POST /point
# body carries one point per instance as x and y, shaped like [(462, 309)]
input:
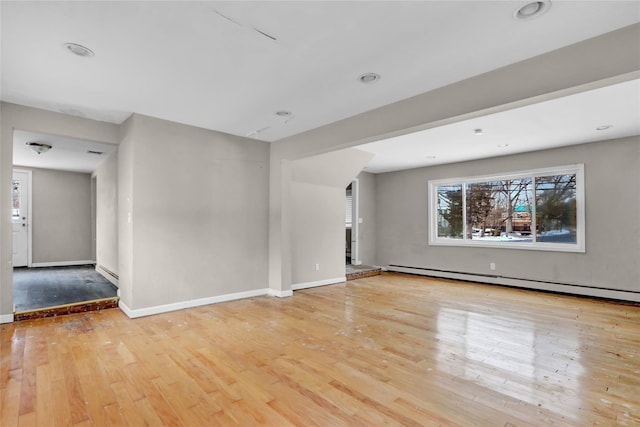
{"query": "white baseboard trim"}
[(298, 286), (158, 309), (108, 275), (523, 283), (62, 263), (571, 289), (6, 318), (279, 294)]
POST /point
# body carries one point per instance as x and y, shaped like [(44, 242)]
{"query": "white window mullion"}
[(534, 225), (464, 211)]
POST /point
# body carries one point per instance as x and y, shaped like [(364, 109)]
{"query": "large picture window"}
[(539, 209)]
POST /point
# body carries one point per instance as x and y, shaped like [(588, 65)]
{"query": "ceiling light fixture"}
[(478, 131), (78, 49), (532, 9), (367, 78), (39, 147), (604, 127)]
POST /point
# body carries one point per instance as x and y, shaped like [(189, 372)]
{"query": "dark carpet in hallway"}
[(51, 286)]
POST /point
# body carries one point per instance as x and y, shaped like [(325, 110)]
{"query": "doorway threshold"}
[(354, 272), (61, 310)]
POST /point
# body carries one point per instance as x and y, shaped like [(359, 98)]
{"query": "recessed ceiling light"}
[(478, 131), (369, 78), (78, 49), (604, 127), (502, 145), (532, 9), (284, 113)]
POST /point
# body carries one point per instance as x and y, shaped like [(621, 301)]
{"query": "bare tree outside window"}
[(480, 204), (514, 194), (538, 209)]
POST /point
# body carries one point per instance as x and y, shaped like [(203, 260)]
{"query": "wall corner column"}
[(279, 227)]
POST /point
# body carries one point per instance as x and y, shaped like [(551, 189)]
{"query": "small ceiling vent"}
[(78, 49)]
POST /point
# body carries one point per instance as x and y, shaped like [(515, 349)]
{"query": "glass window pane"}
[(556, 208), (15, 200), (500, 211), (480, 206), (450, 211)]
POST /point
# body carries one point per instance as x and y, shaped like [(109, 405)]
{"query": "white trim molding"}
[(279, 294), (355, 222), (6, 318), (158, 309), (62, 263), (523, 283), (335, 280), (109, 275)]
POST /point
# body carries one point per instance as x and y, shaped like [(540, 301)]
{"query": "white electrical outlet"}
[(317, 267), (492, 266)]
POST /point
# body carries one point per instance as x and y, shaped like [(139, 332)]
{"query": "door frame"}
[(355, 222), (29, 214)]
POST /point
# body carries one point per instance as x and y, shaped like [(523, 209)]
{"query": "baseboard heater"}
[(520, 283), (109, 272)]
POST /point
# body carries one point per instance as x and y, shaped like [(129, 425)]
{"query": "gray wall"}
[(367, 229), (318, 223), (61, 214), (612, 172), (317, 195), (125, 208), (106, 181), (193, 211)]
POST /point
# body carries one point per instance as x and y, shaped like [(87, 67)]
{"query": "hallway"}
[(44, 287)]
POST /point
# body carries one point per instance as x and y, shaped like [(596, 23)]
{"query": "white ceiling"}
[(560, 122), (66, 153), (205, 64)]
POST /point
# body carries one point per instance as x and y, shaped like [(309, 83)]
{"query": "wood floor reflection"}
[(387, 350)]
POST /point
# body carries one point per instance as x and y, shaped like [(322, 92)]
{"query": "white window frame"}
[(579, 246)]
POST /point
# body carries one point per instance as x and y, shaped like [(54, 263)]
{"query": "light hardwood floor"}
[(386, 350)]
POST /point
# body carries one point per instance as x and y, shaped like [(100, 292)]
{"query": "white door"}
[(20, 217)]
